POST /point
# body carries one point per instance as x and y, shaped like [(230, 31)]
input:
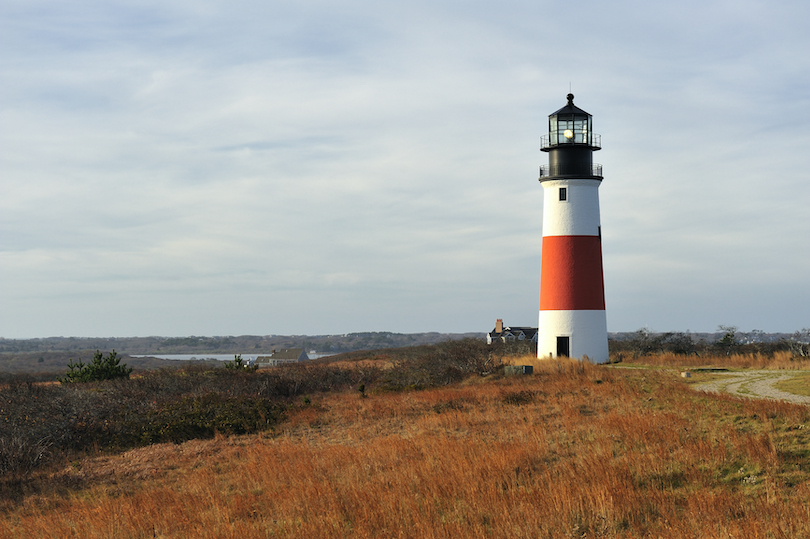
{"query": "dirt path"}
[(755, 384)]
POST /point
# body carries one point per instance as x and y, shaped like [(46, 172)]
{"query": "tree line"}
[(728, 340)]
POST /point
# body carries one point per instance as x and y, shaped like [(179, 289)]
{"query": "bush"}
[(444, 363), (239, 364), (102, 368), (202, 417), (19, 455)]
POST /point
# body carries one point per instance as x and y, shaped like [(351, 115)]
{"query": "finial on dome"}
[(570, 99)]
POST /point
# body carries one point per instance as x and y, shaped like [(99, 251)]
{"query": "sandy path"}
[(755, 384)]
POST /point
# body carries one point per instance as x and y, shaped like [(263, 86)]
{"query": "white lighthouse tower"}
[(572, 291)]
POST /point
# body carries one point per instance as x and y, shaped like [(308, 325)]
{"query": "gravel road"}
[(755, 384)]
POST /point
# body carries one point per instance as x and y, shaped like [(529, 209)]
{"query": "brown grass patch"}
[(575, 450), (780, 360)]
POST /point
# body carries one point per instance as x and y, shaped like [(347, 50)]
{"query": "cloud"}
[(323, 168)]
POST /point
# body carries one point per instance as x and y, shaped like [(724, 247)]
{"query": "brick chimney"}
[(499, 325)]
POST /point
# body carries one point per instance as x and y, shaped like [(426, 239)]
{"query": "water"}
[(216, 357), (194, 357)]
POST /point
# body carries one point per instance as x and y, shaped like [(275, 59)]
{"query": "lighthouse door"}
[(563, 346)]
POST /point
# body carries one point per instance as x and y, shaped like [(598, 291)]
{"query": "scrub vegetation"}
[(98, 405), (438, 443), (101, 368)]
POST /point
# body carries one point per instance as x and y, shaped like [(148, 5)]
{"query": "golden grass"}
[(574, 451), (798, 385), (779, 360)]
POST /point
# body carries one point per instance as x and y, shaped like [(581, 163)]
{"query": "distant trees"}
[(799, 343), (101, 368), (646, 342), (728, 340), (728, 343)]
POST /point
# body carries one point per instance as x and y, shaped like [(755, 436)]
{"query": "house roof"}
[(288, 354), (525, 330), (514, 330)]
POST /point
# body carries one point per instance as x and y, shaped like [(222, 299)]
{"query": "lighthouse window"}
[(563, 194), (580, 131), (553, 129), (565, 131)]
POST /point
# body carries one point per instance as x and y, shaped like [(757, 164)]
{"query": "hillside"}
[(574, 450)]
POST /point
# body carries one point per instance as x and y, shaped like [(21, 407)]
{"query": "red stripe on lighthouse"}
[(571, 278)]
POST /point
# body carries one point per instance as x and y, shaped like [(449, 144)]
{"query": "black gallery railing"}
[(568, 170)]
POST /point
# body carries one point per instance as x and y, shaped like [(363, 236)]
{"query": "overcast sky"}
[(181, 167)]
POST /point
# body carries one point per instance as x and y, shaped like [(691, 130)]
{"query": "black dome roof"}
[(570, 108)]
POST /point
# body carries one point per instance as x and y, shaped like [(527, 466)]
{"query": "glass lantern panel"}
[(577, 126), (552, 130), (562, 127), (586, 131), (580, 130)]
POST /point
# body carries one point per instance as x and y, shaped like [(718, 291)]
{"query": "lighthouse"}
[(572, 292)]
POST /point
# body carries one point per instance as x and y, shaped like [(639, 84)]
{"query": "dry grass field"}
[(780, 360), (574, 450)]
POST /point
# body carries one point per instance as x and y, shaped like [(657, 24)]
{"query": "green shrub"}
[(102, 368), (239, 364)]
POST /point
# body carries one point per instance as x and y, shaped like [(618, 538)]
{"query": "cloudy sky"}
[(313, 167)]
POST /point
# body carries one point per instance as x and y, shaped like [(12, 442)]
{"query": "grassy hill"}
[(442, 445)]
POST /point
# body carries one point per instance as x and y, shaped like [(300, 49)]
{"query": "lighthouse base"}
[(574, 334)]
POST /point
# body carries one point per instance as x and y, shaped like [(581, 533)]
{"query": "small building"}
[(279, 357), (507, 334)]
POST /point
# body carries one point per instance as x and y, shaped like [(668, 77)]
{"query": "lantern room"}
[(570, 143), (570, 125)]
